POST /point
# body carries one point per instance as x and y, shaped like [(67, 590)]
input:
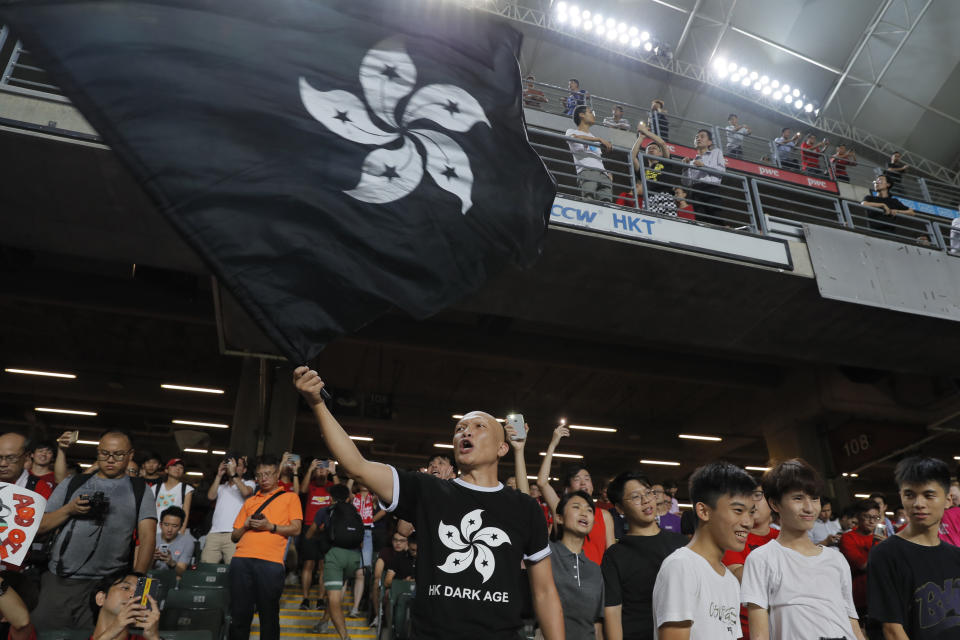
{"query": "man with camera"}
[(229, 489), (95, 517)]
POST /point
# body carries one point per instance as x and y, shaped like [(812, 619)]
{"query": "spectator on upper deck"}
[(786, 151), (595, 182), (659, 123), (895, 170), (842, 159), (658, 199), (889, 206), (735, 134), (810, 153), (617, 121), (578, 97), (706, 184), (533, 97)]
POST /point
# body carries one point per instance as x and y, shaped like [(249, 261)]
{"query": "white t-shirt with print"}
[(812, 593), (688, 588), (170, 497), (229, 502), (586, 155)]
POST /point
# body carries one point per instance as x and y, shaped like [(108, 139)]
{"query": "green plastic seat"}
[(64, 634), (204, 580), (212, 567), (177, 620), (185, 598)]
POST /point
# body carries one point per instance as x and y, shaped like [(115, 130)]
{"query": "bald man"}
[(92, 539), (473, 532), (13, 455)]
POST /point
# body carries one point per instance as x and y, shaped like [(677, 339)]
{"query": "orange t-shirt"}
[(267, 545)]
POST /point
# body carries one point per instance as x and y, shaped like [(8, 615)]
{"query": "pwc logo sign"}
[(20, 515)]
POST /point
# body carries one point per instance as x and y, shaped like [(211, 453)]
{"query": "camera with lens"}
[(99, 506)]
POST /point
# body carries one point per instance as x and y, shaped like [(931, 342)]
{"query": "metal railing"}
[(20, 75), (860, 173), (781, 202), (942, 193), (901, 227), (726, 203), (752, 148), (909, 187), (632, 113), (948, 235), (678, 130)]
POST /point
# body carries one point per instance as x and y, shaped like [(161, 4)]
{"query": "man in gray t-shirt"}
[(174, 549), (94, 539)]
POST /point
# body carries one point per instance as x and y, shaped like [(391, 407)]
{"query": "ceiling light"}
[(786, 88), (732, 67), (764, 79), (635, 43), (684, 505), (644, 35), (749, 468), (563, 455), (754, 75), (457, 416), (624, 38), (666, 463), (180, 387), (735, 78), (34, 372), (85, 465), (194, 423), (501, 420), (194, 473), (586, 427), (535, 477), (647, 46), (798, 104), (808, 108), (788, 98), (75, 412), (217, 452), (861, 495), (844, 474), (195, 451), (362, 438), (90, 442), (777, 95), (746, 81), (442, 445), (691, 436), (796, 93), (854, 475), (743, 71), (719, 63), (611, 35), (766, 90), (757, 86)]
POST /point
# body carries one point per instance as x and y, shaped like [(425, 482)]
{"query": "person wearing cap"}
[(174, 492)]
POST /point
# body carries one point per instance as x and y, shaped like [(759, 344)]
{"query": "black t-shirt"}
[(890, 201), (403, 564), (915, 586), (630, 570), (471, 542)]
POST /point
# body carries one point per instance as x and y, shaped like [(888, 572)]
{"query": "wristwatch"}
[(274, 528)]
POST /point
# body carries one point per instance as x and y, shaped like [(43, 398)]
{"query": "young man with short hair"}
[(695, 596), (616, 120), (666, 520), (315, 487), (630, 567), (229, 489), (174, 549), (855, 546), (913, 575), (41, 469), (735, 133), (786, 149), (881, 501), (341, 562), (474, 531), (594, 181), (441, 466), (576, 98), (887, 204), (826, 531), (792, 584), (150, 470)]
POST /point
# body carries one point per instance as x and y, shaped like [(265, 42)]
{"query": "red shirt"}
[(45, 483), (686, 212), (810, 159), (317, 499), (855, 547), (286, 486), (740, 557), (596, 542), (364, 506)]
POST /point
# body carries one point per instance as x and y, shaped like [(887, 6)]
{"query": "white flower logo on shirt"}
[(471, 544), (388, 75)]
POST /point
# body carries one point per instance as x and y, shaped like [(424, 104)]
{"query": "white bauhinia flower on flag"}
[(470, 544), (388, 75)]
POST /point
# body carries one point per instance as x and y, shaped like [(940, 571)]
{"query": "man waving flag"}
[(329, 160)]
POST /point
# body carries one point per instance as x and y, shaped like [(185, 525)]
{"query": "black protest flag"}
[(328, 160)]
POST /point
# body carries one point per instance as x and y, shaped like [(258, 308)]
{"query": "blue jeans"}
[(255, 583)]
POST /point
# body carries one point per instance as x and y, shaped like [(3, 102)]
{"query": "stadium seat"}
[(208, 620), (203, 580), (185, 598), (65, 634), (401, 600), (187, 634), (167, 579), (212, 567)]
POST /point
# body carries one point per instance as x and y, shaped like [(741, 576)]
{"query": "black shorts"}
[(313, 548)]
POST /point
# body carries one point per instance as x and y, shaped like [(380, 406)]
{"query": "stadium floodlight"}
[(743, 71), (621, 27), (798, 104), (764, 80), (600, 30), (561, 7), (633, 32), (722, 73), (766, 90), (575, 21), (624, 38), (796, 93), (808, 108), (786, 88), (611, 34), (647, 46), (732, 67), (635, 43), (754, 75), (645, 36), (787, 98), (598, 18), (587, 26), (757, 86), (735, 78), (746, 81), (585, 15), (775, 84), (777, 95), (719, 63), (611, 23), (561, 17)]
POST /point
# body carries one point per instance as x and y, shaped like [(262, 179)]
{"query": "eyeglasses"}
[(658, 492), (265, 474), (640, 496), (871, 518), (10, 459), (112, 455)]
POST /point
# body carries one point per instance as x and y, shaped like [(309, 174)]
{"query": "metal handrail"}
[(902, 227), (804, 206)]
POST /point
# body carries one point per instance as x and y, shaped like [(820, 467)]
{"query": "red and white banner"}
[(20, 514), (761, 170)]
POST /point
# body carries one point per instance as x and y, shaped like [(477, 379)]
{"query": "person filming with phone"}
[(229, 489), (174, 549), (95, 517), (260, 531)]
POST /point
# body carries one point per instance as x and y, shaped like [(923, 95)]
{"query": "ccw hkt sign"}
[(20, 514)]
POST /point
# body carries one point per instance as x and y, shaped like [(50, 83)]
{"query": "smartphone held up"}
[(516, 421)]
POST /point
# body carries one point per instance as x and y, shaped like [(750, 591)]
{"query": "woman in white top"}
[(173, 492)]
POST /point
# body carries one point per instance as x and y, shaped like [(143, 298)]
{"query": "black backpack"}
[(345, 527)]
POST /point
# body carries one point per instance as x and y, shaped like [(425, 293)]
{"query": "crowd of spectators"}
[(753, 558)]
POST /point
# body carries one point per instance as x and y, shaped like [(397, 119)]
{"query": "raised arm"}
[(60, 464), (642, 129), (378, 477), (523, 484), (212, 491), (543, 476), (308, 476)]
